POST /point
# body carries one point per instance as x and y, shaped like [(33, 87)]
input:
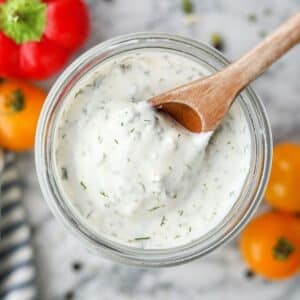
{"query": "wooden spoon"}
[(202, 104)]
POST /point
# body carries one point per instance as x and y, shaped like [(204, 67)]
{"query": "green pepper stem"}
[(23, 20)]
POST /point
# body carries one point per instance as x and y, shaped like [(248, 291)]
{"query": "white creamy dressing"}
[(134, 175)]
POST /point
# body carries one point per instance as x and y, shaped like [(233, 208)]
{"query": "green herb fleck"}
[(125, 67), (83, 185), (283, 249), (180, 212), (252, 17), (78, 93), (64, 173), (116, 141), (187, 6), (104, 194), (154, 208), (163, 221), (89, 214), (190, 229), (142, 238), (188, 166), (143, 186), (177, 236), (132, 130)]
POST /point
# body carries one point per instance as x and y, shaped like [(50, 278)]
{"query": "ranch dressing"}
[(134, 175)]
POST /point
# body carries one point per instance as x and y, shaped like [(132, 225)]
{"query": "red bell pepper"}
[(37, 37)]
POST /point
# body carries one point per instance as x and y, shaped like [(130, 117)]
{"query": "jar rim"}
[(261, 163)]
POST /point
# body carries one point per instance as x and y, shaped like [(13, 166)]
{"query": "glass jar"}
[(245, 205)]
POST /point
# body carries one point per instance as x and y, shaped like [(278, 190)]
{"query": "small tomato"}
[(270, 244), (283, 188), (20, 106)]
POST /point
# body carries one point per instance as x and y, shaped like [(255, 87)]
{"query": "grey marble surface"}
[(220, 275)]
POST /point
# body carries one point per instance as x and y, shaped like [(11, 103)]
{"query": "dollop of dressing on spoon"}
[(136, 176)]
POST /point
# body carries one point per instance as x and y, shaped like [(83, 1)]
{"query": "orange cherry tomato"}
[(283, 188), (270, 245), (20, 106)]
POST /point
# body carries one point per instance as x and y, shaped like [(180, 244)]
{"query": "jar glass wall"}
[(243, 208)]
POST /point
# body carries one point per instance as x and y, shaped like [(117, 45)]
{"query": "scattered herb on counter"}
[(83, 185), (177, 236), (187, 6), (262, 33), (64, 173), (252, 17), (267, 11), (180, 212), (217, 41), (249, 274), (190, 229), (69, 295), (116, 141), (132, 130), (77, 266)]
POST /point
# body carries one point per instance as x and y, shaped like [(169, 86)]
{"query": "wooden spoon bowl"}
[(201, 105)]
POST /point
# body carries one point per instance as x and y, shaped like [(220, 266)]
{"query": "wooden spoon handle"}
[(256, 61)]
